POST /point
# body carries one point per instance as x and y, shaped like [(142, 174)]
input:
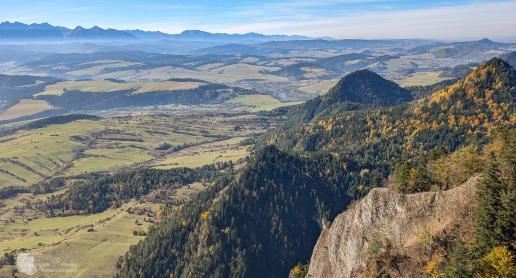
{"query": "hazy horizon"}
[(340, 19)]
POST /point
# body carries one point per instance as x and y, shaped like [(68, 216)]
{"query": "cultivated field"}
[(99, 66), (25, 107), (318, 87), (421, 79), (78, 246), (30, 156), (226, 74), (260, 102), (106, 86), (197, 156)]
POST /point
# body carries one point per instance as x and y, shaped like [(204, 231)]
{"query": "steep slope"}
[(257, 224), (387, 218)]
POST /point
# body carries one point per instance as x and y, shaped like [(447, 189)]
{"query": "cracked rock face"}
[(387, 218)]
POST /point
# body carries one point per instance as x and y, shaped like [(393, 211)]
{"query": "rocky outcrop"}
[(389, 222)]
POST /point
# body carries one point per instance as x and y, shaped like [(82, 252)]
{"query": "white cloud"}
[(447, 22)]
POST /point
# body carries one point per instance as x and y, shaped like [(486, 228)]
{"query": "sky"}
[(432, 19)]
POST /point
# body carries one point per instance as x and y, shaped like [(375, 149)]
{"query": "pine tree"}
[(458, 263), (496, 212), (488, 196)]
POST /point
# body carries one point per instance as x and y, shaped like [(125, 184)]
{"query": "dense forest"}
[(264, 219), (96, 193)]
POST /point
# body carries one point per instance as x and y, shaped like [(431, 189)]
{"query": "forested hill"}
[(367, 87), (266, 218), (464, 111), (354, 91)]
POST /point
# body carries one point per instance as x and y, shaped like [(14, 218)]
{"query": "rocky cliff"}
[(394, 234)]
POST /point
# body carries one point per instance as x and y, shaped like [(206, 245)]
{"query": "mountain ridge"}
[(45, 31)]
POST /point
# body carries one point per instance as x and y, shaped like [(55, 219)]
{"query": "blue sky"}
[(461, 19)]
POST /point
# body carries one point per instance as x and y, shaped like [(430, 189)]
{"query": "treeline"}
[(39, 188), (96, 193), (11, 191)]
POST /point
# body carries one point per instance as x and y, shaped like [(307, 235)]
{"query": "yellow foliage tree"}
[(205, 215), (498, 263)]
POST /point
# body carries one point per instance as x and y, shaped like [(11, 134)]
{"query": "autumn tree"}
[(498, 263)]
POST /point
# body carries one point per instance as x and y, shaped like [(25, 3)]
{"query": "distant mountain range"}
[(17, 31)]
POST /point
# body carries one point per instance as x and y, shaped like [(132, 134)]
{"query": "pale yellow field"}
[(233, 73), (102, 65), (222, 74), (250, 60), (25, 107), (283, 61), (201, 159), (145, 87), (111, 144), (313, 72), (25, 70), (260, 102), (108, 159), (30, 155), (98, 86), (84, 86), (421, 79), (197, 156), (319, 87), (210, 66)]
